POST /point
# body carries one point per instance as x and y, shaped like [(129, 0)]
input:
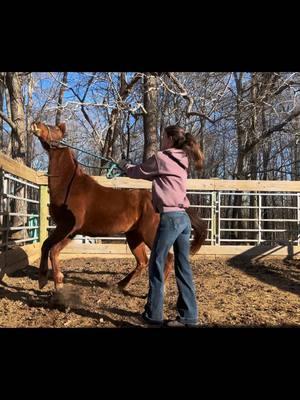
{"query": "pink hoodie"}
[(169, 179)]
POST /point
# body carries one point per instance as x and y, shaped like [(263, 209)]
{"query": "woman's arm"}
[(148, 170)]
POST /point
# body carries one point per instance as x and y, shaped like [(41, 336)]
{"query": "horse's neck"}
[(61, 169)]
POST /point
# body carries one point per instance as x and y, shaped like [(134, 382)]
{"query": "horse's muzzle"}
[(34, 129)]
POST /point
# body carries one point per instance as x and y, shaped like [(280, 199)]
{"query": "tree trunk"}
[(18, 146), (253, 212), (240, 171), (8, 111), (161, 110), (240, 130), (296, 160), (17, 116), (28, 122), (60, 98), (108, 144), (114, 130), (150, 118)]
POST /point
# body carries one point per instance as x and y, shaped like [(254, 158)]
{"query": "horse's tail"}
[(200, 230)]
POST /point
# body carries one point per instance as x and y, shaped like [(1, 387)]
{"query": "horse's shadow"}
[(43, 300), (89, 272), (32, 273), (112, 286), (74, 280), (37, 298)]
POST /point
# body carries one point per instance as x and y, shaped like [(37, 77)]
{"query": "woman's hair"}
[(186, 141)]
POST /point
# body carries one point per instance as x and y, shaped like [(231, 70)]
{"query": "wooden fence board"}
[(18, 169)]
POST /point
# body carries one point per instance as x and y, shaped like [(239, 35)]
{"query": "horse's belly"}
[(107, 226)]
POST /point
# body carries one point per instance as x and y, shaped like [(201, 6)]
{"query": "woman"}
[(168, 169)]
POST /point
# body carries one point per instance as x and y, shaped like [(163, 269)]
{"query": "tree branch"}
[(8, 120), (275, 128), (189, 98)]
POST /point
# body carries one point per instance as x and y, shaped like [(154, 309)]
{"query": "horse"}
[(81, 206)]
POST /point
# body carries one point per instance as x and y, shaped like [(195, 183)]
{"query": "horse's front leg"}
[(59, 234), (54, 253)]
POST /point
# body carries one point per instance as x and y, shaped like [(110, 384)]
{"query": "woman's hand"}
[(122, 163)]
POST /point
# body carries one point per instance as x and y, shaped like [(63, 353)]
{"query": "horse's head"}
[(48, 133)]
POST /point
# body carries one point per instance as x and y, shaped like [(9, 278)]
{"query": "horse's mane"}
[(73, 157)]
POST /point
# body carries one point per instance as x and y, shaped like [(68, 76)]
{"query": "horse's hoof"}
[(43, 280), (59, 286)]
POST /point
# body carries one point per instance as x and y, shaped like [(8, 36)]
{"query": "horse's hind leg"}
[(54, 253), (137, 247), (168, 266)]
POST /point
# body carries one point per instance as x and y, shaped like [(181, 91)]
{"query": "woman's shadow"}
[(286, 279)]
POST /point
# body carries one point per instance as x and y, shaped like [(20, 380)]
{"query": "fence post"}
[(259, 219), (44, 198), (298, 218), (214, 234)]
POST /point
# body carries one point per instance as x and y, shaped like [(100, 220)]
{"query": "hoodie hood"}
[(179, 154)]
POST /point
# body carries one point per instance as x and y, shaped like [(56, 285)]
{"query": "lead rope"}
[(71, 181)]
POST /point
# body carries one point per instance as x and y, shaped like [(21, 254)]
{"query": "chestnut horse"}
[(79, 205)]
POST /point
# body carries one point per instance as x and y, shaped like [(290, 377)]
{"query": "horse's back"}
[(109, 210)]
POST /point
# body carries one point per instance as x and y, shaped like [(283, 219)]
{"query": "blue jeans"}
[(174, 229)]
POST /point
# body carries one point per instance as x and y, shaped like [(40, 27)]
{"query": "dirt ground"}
[(231, 294)]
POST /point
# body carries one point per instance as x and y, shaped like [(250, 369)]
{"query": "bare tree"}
[(29, 119), (150, 115), (113, 131), (2, 99), (18, 125), (223, 110), (62, 89)]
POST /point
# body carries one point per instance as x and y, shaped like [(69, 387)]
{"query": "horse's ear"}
[(62, 127)]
